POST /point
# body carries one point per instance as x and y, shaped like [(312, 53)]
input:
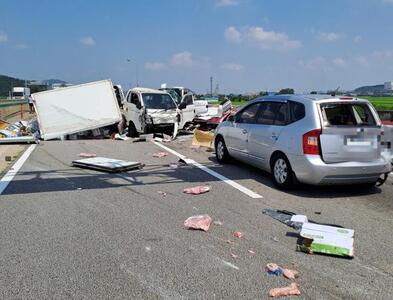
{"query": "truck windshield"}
[(158, 101), (347, 114), (174, 93), (18, 94)]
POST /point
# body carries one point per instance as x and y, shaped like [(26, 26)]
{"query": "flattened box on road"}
[(107, 164), (76, 108)]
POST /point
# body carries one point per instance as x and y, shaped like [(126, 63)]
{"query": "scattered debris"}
[(276, 270), (19, 132), (317, 212), (291, 290), (201, 222), (217, 223), (8, 158), (229, 242), (196, 190), (139, 139), (161, 193), (121, 137), (251, 251), (238, 234), (182, 161), (160, 154), (275, 239), (107, 164), (326, 239), (283, 216), (87, 155), (202, 138), (233, 255)]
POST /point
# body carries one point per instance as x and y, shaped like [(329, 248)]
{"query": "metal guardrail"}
[(12, 103)]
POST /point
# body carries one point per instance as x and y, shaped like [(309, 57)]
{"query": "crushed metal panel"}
[(76, 108), (107, 164)]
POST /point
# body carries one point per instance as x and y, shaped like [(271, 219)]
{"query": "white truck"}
[(184, 96), (155, 111), (20, 93)]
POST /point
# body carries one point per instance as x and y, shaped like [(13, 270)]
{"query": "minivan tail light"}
[(311, 142)]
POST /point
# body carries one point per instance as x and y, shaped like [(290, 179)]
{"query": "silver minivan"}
[(313, 139)]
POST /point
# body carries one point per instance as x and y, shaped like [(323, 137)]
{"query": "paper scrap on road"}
[(201, 222), (196, 190), (291, 290), (160, 154)]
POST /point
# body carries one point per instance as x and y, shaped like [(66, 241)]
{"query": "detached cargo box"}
[(76, 108)]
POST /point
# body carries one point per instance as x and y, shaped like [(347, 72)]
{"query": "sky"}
[(246, 45)]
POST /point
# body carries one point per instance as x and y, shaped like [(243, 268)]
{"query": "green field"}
[(380, 103)]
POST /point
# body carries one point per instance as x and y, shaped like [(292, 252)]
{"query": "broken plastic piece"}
[(251, 251), (161, 193), (273, 269), (238, 234), (196, 190), (217, 223), (87, 155), (201, 222), (233, 255), (160, 154), (292, 289), (276, 270)]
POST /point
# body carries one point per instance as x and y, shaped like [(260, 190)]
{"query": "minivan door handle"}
[(244, 131)]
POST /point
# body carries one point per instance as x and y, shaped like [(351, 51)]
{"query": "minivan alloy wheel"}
[(280, 170), (220, 149)]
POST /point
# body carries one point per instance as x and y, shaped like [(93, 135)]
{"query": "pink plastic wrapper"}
[(196, 190), (201, 222), (291, 290), (87, 155), (160, 154)]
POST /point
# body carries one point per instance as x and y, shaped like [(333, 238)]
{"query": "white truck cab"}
[(20, 93), (154, 111), (186, 98)]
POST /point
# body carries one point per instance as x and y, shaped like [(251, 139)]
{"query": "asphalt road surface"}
[(76, 233)]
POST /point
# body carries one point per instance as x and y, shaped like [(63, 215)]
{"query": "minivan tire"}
[(132, 132), (222, 154), (281, 172)]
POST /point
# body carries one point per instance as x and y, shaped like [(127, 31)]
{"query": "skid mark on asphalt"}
[(228, 181)]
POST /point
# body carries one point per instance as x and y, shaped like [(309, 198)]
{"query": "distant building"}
[(388, 86)]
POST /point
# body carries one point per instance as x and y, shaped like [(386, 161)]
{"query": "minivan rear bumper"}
[(312, 169)]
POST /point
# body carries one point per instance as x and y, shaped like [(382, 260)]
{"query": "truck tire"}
[(132, 132)]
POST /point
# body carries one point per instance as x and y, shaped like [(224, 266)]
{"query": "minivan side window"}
[(296, 111), (273, 113), (248, 115)]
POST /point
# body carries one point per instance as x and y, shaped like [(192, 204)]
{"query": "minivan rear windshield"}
[(347, 114)]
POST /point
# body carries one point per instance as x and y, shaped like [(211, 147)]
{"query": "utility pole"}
[(211, 85)]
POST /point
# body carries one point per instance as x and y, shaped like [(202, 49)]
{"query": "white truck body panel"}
[(76, 108), (20, 92)]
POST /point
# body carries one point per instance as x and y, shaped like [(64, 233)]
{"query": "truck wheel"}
[(281, 171), (132, 132), (222, 154)]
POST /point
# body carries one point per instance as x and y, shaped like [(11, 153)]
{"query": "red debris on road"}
[(238, 234), (291, 290), (201, 222), (196, 190)]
